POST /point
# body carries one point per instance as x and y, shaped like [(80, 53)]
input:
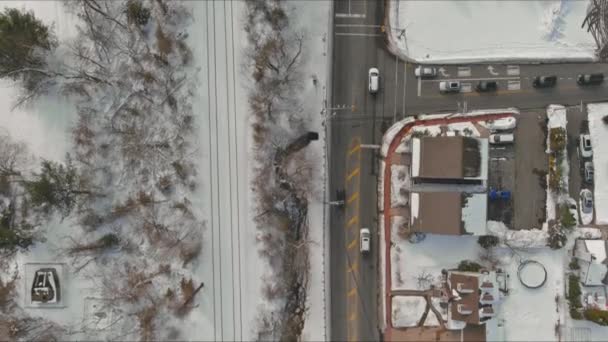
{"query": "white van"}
[(501, 139), (364, 240), (374, 80)]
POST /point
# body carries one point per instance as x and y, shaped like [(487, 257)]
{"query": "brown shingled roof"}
[(439, 213), (449, 157), (470, 300)]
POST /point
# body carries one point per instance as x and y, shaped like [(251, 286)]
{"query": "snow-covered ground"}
[(230, 263), (462, 31), (599, 136)]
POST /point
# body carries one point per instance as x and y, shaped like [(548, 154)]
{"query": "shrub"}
[(597, 316), (575, 314), (557, 139), (573, 265), (487, 241), (574, 292), (555, 173), (566, 218), (469, 266)]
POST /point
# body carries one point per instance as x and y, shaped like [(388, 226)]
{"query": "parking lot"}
[(521, 169)]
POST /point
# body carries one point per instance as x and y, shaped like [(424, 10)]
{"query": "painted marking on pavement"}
[(352, 174), (464, 71), (350, 15), (419, 87), (352, 244), (358, 34), (352, 221), (513, 85), (353, 197), (354, 267), (513, 70), (476, 79), (354, 149), (352, 317), (352, 292), (466, 87), (357, 25)]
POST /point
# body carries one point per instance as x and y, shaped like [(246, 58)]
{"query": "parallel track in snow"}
[(223, 181)]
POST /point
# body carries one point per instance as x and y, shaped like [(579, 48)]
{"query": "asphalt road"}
[(359, 44)]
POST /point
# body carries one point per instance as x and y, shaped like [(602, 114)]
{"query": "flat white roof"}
[(474, 214)]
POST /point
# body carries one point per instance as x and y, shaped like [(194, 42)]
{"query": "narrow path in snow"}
[(223, 186)]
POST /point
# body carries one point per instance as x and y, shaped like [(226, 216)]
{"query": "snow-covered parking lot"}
[(460, 31), (599, 135)]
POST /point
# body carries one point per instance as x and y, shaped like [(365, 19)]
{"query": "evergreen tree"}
[(24, 41)]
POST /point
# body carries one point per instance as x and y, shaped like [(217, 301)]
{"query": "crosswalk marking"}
[(466, 87)]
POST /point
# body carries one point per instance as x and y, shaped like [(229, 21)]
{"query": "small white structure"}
[(591, 255)]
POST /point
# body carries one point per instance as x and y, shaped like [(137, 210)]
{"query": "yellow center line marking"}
[(352, 317), (352, 292), (352, 174), (352, 244), (352, 221), (352, 198), (354, 149), (354, 267)]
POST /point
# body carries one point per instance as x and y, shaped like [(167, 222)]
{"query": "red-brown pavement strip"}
[(387, 197)]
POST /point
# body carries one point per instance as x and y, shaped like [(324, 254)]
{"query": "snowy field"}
[(461, 31), (599, 136)]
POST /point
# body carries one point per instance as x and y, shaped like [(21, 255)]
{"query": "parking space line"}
[(419, 87), (354, 173), (358, 25)]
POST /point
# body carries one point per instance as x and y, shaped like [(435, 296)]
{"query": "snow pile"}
[(599, 139), (407, 311), (534, 238), (390, 134), (496, 30), (400, 185), (553, 20)]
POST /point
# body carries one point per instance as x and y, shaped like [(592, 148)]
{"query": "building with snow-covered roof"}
[(591, 256), (448, 213), (472, 298), (450, 159)]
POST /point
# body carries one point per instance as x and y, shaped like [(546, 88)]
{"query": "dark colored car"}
[(486, 86), (45, 287), (590, 79), (544, 81)]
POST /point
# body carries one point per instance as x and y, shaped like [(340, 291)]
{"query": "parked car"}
[(373, 80), (586, 201), (486, 86), (501, 139), (502, 124), (572, 208), (589, 172), (584, 147), (590, 79), (364, 240), (449, 86), (544, 81), (45, 287), (425, 72)]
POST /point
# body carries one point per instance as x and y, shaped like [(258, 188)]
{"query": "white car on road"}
[(425, 72), (585, 146), (449, 86), (373, 80), (364, 240)]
